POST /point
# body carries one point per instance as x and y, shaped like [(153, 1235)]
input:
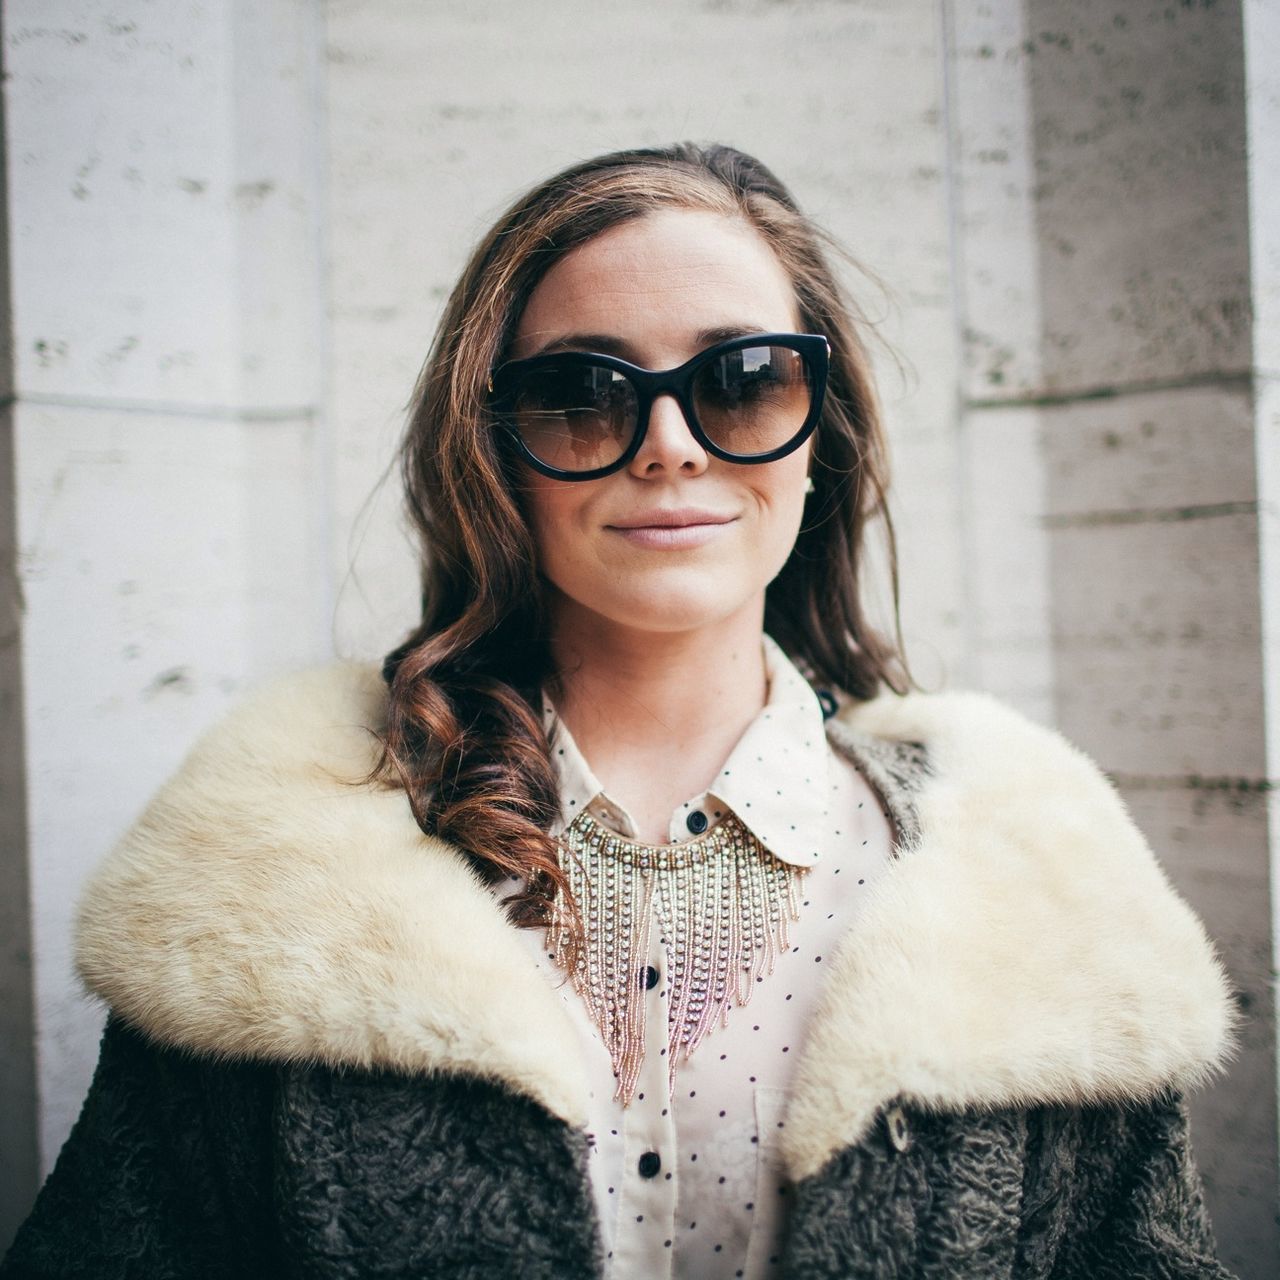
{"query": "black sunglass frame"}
[(649, 384)]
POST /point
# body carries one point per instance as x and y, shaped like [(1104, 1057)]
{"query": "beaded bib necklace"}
[(722, 903)]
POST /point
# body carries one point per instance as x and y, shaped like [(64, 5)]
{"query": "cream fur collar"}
[(1027, 950)]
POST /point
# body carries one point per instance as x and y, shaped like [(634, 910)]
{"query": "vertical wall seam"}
[(953, 195), (323, 436), (19, 1079), (1258, 34)]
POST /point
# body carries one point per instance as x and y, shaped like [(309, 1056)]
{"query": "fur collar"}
[(1027, 949)]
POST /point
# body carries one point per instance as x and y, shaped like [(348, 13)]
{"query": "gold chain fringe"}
[(722, 904)]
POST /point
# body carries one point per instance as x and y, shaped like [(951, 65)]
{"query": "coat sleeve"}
[(160, 1178), (1138, 1211)]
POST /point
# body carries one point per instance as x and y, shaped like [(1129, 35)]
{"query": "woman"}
[(633, 923)]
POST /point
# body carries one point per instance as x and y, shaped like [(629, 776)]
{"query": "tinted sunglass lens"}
[(753, 400), (574, 417)]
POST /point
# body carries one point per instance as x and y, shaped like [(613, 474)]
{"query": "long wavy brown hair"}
[(464, 734)]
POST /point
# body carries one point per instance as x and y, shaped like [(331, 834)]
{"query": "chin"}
[(675, 609), (663, 598)]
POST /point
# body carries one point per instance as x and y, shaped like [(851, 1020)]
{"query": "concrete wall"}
[(1262, 61), (232, 230), (19, 1146), (162, 165), (1110, 411)]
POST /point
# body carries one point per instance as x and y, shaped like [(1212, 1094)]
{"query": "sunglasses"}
[(579, 416)]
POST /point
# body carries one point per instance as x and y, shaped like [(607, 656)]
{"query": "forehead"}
[(656, 281)]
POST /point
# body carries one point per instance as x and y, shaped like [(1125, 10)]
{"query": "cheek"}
[(551, 508), (783, 502), (542, 512), (783, 535)]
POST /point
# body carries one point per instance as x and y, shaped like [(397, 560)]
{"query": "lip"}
[(672, 529), (668, 518)]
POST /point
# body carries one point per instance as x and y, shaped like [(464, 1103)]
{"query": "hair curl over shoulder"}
[(464, 735)]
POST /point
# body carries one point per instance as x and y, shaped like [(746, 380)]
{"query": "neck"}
[(656, 714)]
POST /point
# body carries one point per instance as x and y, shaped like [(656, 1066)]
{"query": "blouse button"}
[(649, 1164), (896, 1121), (650, 977), (696, 822)]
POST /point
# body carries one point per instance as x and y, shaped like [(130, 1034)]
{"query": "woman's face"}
[(656, 291)]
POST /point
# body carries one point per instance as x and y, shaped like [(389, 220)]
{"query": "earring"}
[(808, 484)]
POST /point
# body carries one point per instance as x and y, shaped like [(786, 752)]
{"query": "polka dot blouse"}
[(691, 1185)]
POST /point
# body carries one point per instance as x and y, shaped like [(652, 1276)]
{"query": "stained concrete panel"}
[(276, 149), (925, 511), (19, 1147), (151, 260), (1212, 841), (147, 177), (1141, 191), (1262, 88), (1155, 455), (19, 1154), (1157, 645), (916, 382), (993, 198), (1262, 60), (1267, 422), (1137, 194), (283, 549), (149, 556), (1267, 454), (1007, 605)]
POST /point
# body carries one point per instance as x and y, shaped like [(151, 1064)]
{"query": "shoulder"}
[(968, 736), (324, 717), (272, 903), (1025, 946), (986, 769)]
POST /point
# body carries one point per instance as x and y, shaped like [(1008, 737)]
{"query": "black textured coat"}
[(251, 1135), (183, 1168)]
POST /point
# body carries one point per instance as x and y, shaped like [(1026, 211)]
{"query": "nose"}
[(668, 445)]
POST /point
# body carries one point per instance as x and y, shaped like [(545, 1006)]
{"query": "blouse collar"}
[(775, 781)]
